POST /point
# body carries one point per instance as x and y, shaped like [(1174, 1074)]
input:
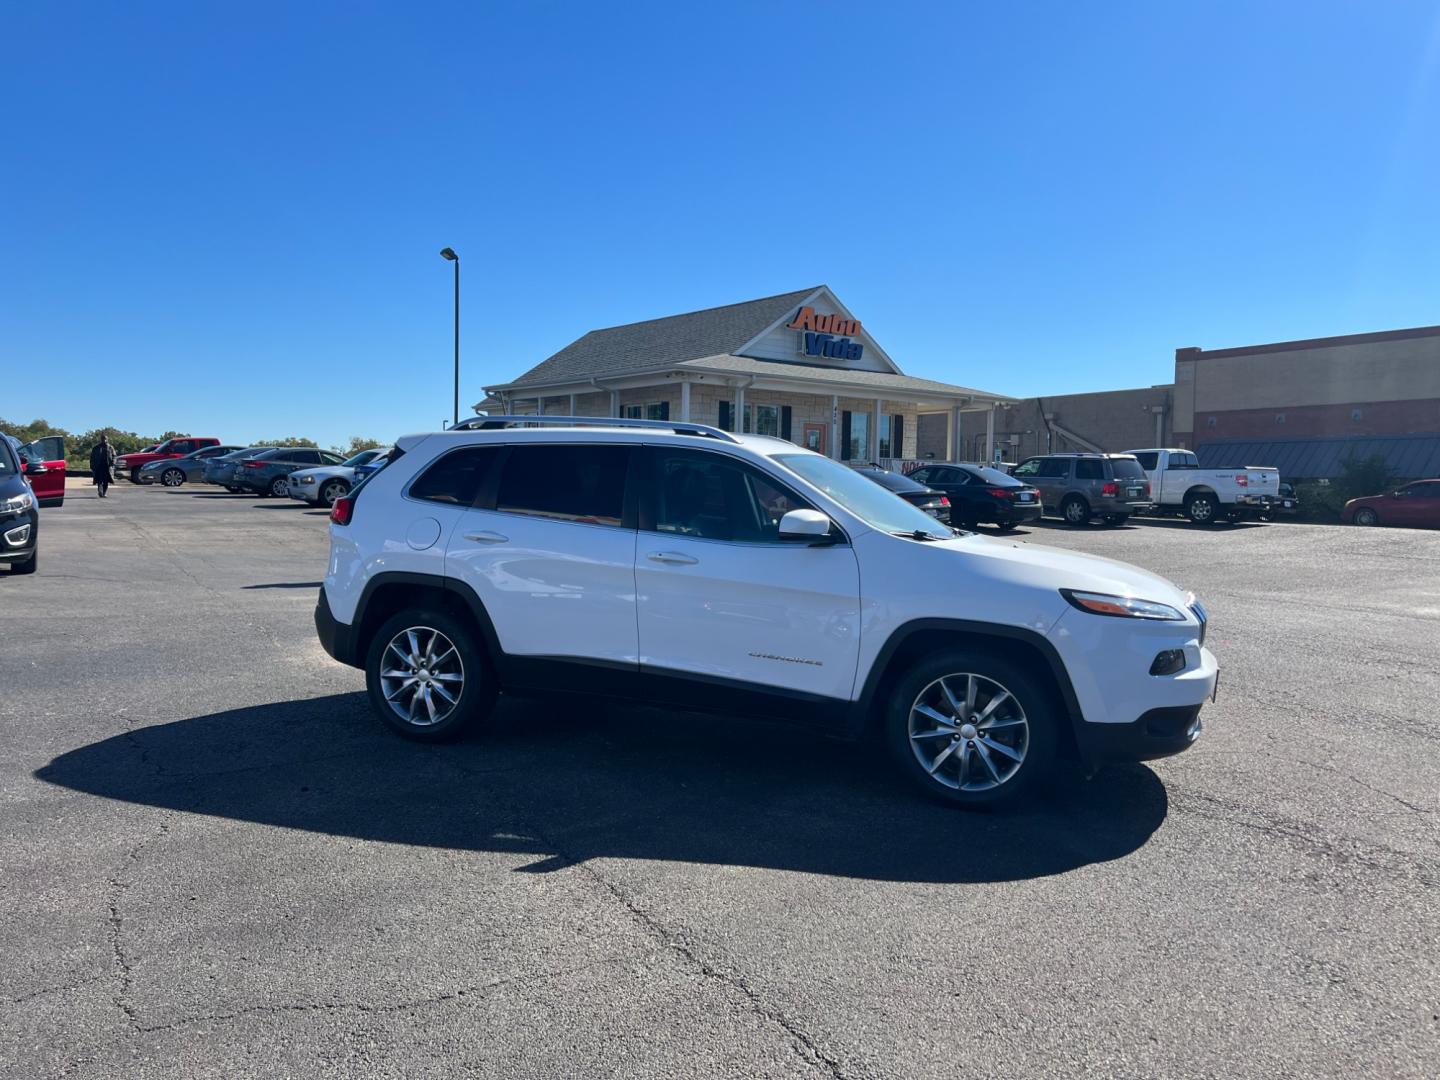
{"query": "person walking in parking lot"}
[(102, 457)]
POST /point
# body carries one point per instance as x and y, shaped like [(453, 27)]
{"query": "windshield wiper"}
[(917, 534)]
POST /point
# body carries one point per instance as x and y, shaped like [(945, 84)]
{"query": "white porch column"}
[(990, 434), (834, 440), (874, 446), (956, 444), (614, 404), (685, 401), (739, 417)]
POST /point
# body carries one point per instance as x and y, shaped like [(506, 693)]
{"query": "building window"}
[(767, 420), (1210, 422), (858, 447), (654, 410), (1356, 414), (884, 439), (1279, 418)]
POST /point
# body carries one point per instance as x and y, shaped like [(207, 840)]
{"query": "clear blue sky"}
[(225, 217)]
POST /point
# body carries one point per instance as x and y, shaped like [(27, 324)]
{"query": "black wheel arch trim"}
[(865, 705)]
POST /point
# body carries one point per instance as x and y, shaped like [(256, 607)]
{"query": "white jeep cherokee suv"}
[(681, 565)]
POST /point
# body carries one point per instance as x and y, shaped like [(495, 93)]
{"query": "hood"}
[(1039, 565)]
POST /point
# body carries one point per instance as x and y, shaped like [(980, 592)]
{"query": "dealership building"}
[(799, 366)]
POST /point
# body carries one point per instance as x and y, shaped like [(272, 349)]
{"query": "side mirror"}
[(34, 468), (805, 525)]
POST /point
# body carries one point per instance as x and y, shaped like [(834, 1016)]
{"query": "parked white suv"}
[(682, 565)]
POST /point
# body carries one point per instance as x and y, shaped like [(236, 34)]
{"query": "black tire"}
[(1366, 516), (1006, 526), (1116, 520), (135, 476), (1202, 509), (172, 478), (233, 489), (1075, 510), (29, 566), (476, 698), (1030, 697), (332, 490)]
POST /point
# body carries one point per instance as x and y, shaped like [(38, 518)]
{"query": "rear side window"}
[(580, 483), (1056, 468), (455, 478), (1127, 468), (1088, 469)]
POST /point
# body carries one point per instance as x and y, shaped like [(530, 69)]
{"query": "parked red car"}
[(1416, 505), (44, 464), (130, 464)]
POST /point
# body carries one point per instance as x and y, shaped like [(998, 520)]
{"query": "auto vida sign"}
[(827, 335)]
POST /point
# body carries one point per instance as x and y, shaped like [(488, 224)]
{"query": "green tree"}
[(78, 447), (1360, 477), (291, 440), (357, 444), (35, 429)]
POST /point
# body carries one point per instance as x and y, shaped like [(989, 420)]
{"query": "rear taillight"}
[(944, 500), (1241, 480), (254, 464), (1000, 493), (1110, 489), (342, 511)]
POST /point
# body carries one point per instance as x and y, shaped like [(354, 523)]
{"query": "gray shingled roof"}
[(1410, 457), (841, 378), (658, 342)]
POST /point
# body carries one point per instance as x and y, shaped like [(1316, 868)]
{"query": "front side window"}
[(455, 478), (1183, 461), (1028, 468), (717, 498), (578, 482)]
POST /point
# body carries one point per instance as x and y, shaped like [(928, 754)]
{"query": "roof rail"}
[(679, 427)]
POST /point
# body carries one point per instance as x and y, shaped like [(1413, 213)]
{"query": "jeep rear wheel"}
[(971, 728), (428, 676)]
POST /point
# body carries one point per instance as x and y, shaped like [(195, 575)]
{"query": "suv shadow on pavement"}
[(571, 781)]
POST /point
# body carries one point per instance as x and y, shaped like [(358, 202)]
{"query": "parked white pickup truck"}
[(1177, 483)]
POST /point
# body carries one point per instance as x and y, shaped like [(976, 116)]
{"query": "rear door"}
[(550, 551), (724, 603)]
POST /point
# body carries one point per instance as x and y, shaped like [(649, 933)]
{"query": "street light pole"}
[(449, 253)]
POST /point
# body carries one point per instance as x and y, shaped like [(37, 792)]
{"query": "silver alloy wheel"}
[(1075, 512), (1202, 509), (173, 478), (1365, 516), (421, 676), (968, 732), (332, 491), (280, 487)]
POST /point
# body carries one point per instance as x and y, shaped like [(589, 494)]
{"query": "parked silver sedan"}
[(172, 472), (322, 485)]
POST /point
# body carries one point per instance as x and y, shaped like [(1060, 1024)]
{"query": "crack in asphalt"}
[(476, 990), (48, 990), (121, 966)]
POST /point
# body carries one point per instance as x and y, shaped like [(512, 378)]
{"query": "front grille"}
[(1199, 611)]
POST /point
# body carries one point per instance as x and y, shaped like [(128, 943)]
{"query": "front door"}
[(44, 461), (723, 601), (814, 437)]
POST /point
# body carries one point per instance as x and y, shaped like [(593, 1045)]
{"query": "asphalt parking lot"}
[(214, 862)]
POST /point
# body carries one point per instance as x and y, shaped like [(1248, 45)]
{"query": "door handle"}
[(670, 558), (487, 538)]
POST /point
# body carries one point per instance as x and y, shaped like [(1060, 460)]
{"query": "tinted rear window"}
[(893, 481), (1127, 468), (995, 478), (580, 483), (456, 477), (1088, 469)]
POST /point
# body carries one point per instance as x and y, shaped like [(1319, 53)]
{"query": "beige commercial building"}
[(799, 366)]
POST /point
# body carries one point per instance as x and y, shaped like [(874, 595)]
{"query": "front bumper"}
[(1156, 734), (336, 638), (306, 493), (19, 536)]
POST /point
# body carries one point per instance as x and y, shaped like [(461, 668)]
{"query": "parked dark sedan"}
[(268, 473), (980, 495), (932, 502)]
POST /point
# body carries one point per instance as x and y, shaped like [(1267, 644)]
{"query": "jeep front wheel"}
[(428, 676), (971, 728)]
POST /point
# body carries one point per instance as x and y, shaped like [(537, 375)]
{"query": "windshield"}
[(361, 458), (867, 500), (9, 447), (1126, 468)]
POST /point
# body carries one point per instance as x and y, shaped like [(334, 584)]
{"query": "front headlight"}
[(1123, 607), (17, 503)]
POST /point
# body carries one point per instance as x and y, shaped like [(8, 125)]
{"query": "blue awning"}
[(1409, 457)]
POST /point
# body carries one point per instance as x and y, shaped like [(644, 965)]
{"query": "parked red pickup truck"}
[(130, 464)]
